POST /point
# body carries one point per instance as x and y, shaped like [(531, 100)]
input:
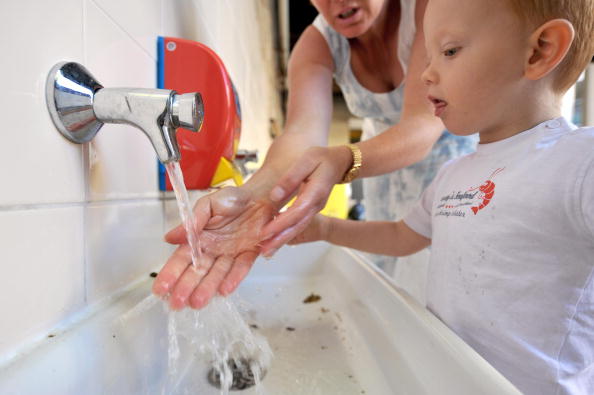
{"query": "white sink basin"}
[(362, 337)]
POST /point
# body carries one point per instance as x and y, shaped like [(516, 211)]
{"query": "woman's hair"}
[(580, 13)]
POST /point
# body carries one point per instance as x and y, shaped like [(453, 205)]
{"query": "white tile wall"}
[(38, 164), (117, 60), (179, 19), (124, 242), (79, 222), (42, 268), (139, 19)]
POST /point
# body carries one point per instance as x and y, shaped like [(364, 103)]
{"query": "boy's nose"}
[(428, 76)]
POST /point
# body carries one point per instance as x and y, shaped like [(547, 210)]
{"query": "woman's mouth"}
[(346, 14), (438, 104)]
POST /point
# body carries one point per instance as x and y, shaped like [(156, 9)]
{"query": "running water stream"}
[(217, 333), (185, 210)]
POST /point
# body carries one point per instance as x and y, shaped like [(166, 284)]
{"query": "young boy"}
[(512, 225)]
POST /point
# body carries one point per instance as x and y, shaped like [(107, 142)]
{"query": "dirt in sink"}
[(312, 298)]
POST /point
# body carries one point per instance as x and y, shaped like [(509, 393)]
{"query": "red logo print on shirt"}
[(486, 192)]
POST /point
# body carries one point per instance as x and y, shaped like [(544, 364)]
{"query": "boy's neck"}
[(525, 115)]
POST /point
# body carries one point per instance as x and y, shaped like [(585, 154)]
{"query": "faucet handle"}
[(187, 111)]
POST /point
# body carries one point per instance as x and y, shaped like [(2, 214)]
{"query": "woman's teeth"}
[(348, 13)]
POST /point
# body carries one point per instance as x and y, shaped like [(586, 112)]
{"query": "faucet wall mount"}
[(79, 106)]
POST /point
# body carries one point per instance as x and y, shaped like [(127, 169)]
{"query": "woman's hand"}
[(313, 176), (228, 224)]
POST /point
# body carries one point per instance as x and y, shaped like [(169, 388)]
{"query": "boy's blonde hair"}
[(580, 13)]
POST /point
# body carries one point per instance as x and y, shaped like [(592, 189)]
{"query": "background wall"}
[(80, 222)]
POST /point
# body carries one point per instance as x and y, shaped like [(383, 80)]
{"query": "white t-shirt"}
[(512, 256)]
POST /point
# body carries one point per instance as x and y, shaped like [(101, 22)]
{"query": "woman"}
[(374, 49)]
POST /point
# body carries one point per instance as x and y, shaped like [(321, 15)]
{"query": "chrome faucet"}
[(79, 106)]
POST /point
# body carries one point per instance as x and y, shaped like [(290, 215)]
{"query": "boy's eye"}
[(451, 51)]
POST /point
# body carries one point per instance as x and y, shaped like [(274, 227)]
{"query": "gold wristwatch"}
[(353, 172)]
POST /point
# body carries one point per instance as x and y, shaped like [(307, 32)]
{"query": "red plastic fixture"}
[(189, 66)]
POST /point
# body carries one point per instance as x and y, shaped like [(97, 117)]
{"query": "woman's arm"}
[(309, 110), (319, 169)]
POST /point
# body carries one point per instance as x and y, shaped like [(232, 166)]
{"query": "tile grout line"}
[(85, 203), (123, 30), (85, 162)]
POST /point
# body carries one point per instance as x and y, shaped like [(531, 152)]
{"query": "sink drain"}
[(243, 376)]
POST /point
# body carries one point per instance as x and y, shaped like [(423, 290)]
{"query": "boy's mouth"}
[(438, 104)]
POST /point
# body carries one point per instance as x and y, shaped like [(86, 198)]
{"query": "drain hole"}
[(243, 376)]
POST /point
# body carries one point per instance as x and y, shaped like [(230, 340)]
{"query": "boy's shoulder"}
[(580, 140), (584, 131), (562, 138), (568, 149)]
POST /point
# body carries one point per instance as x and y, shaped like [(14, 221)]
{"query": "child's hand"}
[(316, 230)]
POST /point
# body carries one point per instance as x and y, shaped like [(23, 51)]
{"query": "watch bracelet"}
[(353, 171)]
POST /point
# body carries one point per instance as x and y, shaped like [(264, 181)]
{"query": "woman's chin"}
[(352, 32)]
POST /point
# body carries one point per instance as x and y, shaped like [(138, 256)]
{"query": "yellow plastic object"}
[(225, 171), (337, 205)]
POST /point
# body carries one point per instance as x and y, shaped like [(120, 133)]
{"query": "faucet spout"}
[(152, 111), (79, 106)]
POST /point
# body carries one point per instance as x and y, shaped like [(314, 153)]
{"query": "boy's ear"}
[(548, 46)]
